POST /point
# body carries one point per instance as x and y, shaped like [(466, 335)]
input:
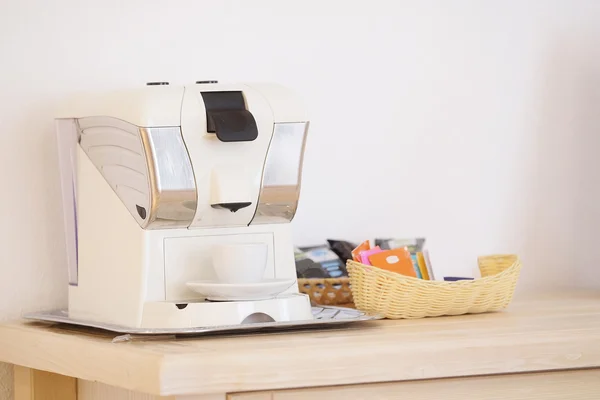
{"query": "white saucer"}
[(217, 291)]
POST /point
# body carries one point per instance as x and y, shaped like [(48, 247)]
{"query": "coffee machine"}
[(155, 178)]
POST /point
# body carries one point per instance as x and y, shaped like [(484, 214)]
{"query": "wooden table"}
[(542, 348)]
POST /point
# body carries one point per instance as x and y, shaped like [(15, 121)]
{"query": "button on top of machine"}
[(201, 82), (157, 83)]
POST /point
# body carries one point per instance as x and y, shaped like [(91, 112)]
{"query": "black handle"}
[(228, 118)]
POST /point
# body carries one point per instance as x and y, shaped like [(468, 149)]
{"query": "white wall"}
[(473, 123)]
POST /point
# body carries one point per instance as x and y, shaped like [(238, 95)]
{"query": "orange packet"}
[(395, 260), (361, 247)]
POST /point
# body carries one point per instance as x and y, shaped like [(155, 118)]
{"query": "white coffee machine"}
[(155, 178)]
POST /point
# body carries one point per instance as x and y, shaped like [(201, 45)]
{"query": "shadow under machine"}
[(153, 178)]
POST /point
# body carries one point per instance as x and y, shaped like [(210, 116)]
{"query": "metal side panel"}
[(148, 168), (171, 177), (67, 137), (282, 174)]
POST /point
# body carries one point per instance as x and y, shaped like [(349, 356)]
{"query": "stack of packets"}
[(403, 256), (318, 262)]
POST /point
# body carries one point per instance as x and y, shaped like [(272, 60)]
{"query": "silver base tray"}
[(324, 316)]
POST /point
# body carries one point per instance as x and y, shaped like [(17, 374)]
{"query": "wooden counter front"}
[(547, 335)]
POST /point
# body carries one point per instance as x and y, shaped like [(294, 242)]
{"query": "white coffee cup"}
[(240, 262)]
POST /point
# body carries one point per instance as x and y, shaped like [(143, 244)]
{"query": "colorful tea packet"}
[(365, 254), (395, 260), (361, 247)]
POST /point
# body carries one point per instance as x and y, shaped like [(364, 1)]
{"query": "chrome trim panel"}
[(282, 174), (148, 168), (171, 176), (67, 138)]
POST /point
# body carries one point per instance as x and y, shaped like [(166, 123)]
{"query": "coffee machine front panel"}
[(227, 130)]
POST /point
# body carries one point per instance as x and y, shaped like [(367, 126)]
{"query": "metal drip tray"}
[(323, 316)]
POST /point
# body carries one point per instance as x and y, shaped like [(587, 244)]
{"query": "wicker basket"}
[(327, 291), (397, 296)]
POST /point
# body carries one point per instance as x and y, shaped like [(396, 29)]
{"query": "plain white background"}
[(473, 123)]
